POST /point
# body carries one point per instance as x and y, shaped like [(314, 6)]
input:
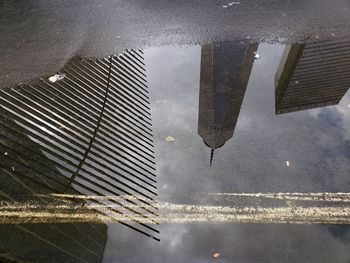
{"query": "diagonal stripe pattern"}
[(94, 127)]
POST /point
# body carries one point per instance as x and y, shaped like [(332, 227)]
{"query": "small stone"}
[(5, 153), (216, 255)]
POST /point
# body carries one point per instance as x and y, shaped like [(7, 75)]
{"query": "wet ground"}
[(234, 150), (39, 37)]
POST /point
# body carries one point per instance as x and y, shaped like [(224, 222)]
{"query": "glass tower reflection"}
[(224, 75), (312, 75)]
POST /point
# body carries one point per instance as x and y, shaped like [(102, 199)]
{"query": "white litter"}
[(5, 153), (56, 77), (256, 56), (233, 3), (169, 139), (287, 163)]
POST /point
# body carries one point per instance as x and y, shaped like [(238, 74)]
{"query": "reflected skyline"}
[(156, 131), (308, 76), (254, 162)]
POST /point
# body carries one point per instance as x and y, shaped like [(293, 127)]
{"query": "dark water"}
[(177, 128)]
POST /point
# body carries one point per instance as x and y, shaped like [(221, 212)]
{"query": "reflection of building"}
[(225, 71), (312, 75), (87, 134), (28, 176)]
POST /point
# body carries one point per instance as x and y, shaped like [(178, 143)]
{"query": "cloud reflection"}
[(252, 161)]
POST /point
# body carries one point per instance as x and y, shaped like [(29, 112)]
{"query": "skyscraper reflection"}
[(87, 132), (312, 75), (224, 75), (28, 177)]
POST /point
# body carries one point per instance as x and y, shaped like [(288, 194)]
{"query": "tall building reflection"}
[(27, 176), (88, 133), (224, 75), (312, 75)]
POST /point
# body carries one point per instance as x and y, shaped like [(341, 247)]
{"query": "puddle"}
[(234, 150)]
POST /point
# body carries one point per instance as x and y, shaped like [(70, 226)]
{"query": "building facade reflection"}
[(312, 75), (28, 177), (224, 75), (88, 134)]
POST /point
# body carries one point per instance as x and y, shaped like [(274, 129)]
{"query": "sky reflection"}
[(314, 142)]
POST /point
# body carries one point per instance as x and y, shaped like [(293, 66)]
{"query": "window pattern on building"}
[(87, 131)]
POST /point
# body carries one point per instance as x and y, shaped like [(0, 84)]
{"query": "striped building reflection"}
[(86, 134), (312, 75)]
